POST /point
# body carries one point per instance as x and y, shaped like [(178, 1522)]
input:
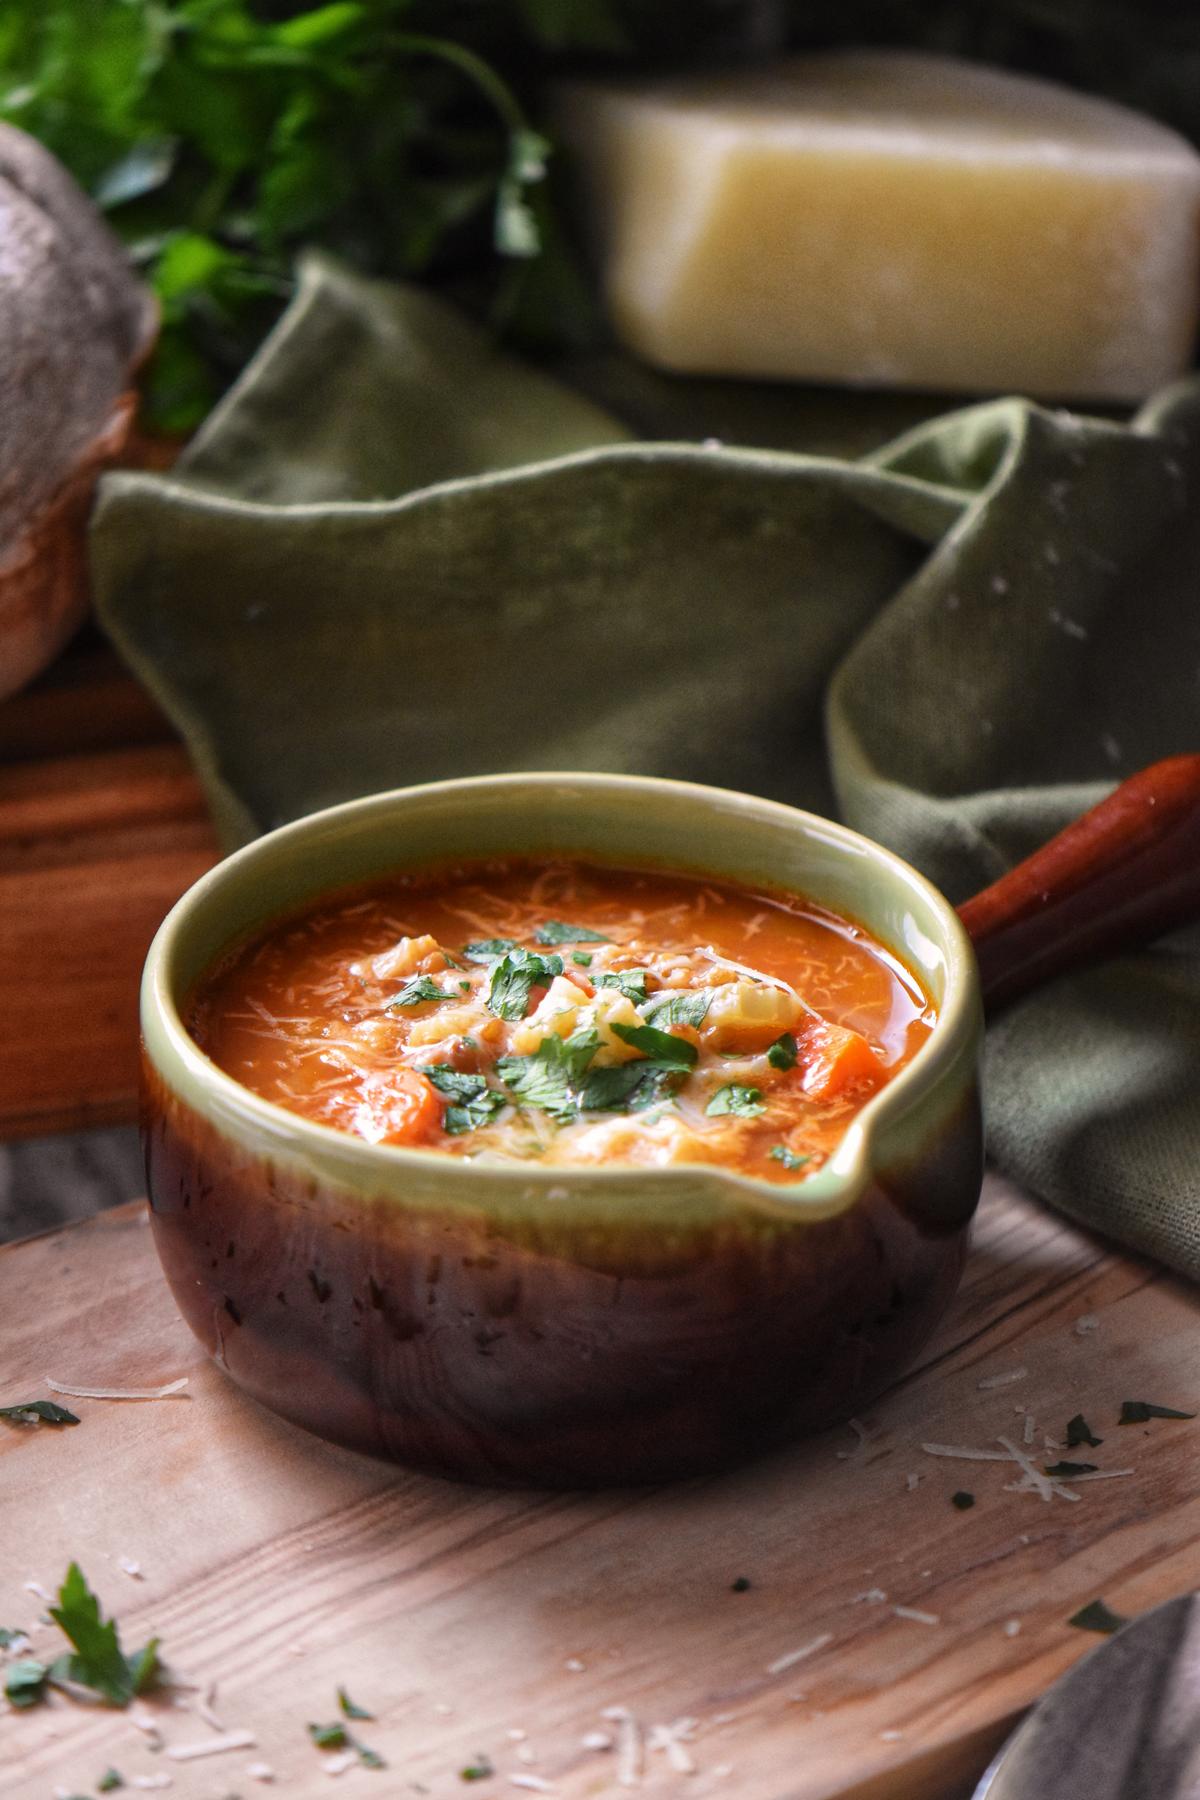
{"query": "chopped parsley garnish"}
[(549, 1079), (630, 1087), (745, 1102), (582, 959), (1097, 1617), (630, 982), (464, 987), (1136, 1412), (513, 978), (1071, 1468), (25, 1682), (782, 1053), (458, 1120), (963, 1500), (488, 950), (662, 1046), (32, 1410), (474, 1103), (98, 1661), (111, 1778), (554, 931), (741, 1585), (416, 992), (781, 1154), (479, 1770), (687, 1008), (349, 1709), (1080, 1432)]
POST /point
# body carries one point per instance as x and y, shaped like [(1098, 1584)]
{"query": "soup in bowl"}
[(568, 1129)]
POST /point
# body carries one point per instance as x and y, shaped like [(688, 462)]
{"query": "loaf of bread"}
[(75, 322)]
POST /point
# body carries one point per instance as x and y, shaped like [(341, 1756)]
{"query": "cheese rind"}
[(894, 220)]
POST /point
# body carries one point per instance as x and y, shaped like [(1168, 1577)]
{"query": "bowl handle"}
[(1120, 876)]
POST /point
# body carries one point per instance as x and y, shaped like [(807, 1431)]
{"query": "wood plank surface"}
[(102, 827), (278, 1567)]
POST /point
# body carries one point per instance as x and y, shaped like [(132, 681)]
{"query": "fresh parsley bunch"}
[(221, 135)]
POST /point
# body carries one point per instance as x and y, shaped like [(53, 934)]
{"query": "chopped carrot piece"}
[(833, 1058), (400, 1107)]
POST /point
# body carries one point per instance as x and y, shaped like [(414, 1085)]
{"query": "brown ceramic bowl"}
[(557, 1325)]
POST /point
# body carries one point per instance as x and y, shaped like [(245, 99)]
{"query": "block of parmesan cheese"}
[(892, 219)]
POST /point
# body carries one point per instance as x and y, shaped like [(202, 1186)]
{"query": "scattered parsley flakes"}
[(687, 1008), (415, 992), (673, 1052), (1097, 1617), (630, 982), (329, 1737), (479, 1770), (1066, 1469), (25, 1682), (30, 1412), (456, 1084), (554, 931), (741, 1586), (963, 1500), (783, 1052), (111, 1778), (1080, 1432), (582, 959), (349, 1709), (99, 1661), (513, 978), (744, 1102), (781, 1154), (1136, 1412), (335, 1737), (488, 950)]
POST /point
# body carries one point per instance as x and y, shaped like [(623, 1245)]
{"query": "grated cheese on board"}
[(794, 1656), (98, 1393)]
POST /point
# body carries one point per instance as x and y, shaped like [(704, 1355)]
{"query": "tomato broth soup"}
[(564, 1012)]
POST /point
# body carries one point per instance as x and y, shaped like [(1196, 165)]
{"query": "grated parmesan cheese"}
[(1088, 1322), (871, 1597), (891, 1737), (337, 1765), (1030, 1428), (911, 1482), (213, 1746), (1012, 1628), (863, 1436), (794, 1656), (629, 1745), (917, 1616), (574, 1665), (98, 1393), (36, 1589), (129, 1567), (260, 1771), (998, 1381), (535, 1782), (1042, 1483), (672, 1740), (596, 1740)]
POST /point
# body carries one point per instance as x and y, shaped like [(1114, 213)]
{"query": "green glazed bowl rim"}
[(181, 1063)]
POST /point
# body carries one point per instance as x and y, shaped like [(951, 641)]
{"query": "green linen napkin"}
[(396, 554)]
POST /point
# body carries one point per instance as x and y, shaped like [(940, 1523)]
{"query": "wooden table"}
[(277, 1567), (102, 827)]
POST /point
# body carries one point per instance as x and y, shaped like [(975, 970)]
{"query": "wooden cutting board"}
[(277, 1567)]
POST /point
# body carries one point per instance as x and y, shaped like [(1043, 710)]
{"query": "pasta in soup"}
[(563, 1012)]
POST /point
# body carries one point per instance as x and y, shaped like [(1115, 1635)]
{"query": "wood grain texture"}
[(279, 1567), (102, 827)]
